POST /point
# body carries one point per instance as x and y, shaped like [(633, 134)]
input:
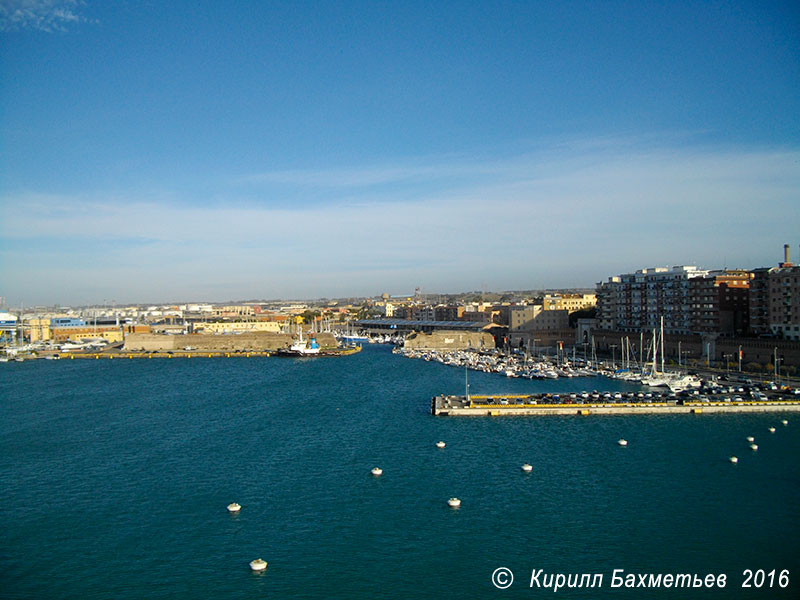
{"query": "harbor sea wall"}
[(251, 341), (449, 340)]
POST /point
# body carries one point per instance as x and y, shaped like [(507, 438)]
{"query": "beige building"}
[(38, 330), (533, 326), (521, 318), (535, 318), (569, 302)]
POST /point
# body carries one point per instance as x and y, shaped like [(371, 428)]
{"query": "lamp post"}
[(775, 362), (740, 359)]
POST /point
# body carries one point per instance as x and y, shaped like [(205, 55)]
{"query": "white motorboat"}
[(234, 507), (377, 471), (527, 468), (622, 442), (454, 502), (440, 444)]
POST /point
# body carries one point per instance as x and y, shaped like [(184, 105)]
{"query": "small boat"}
[(750, 439), (785, 422), (753, 447), (377, 471), (527, 468), (234, 507), (772, 430), (623, 442), (440, 444), (301, 347), (454, 503), (258, 564), (733, 459)]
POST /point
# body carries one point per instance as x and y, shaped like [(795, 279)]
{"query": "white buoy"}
[(785, 422), (440, 444), (733, 459), (377, 471), (772, 430), (623, 442), (750, 439), (234, 507), (527, 468), (258, 564), (753, 447), (454, 503)]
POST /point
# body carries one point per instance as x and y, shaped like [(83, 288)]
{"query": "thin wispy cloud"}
[(42, 15), (556, 218)]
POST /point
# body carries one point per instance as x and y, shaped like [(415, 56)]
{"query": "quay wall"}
[(449, 340), (251, 341)]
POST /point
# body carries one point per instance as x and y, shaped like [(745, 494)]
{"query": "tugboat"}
[(301, 347)]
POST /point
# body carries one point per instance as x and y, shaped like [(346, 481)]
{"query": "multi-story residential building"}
[(775, 300), (784, 299), (637, 301), (719, 302), (759, 301)]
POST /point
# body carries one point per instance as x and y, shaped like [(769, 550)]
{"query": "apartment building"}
[(637, 301)]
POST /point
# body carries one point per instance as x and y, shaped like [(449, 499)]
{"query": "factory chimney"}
[(786, 262)]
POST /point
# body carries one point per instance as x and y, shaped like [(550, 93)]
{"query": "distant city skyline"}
[(207, 152)]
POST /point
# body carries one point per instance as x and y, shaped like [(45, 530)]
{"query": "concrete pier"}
[(531, 405)]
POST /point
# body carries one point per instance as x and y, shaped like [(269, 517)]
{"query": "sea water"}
[(116, 476)]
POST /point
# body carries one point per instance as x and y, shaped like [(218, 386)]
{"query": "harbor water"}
[(116, 476)]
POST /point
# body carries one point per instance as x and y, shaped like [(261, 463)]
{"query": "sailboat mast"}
[(641, 349), (655, 351), (662, 343)]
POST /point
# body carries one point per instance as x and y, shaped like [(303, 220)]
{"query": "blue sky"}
[(213, 151)]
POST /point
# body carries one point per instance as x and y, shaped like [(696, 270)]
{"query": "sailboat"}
[(674, 381)]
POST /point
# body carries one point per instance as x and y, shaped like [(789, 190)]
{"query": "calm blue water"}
[(115, 477)]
